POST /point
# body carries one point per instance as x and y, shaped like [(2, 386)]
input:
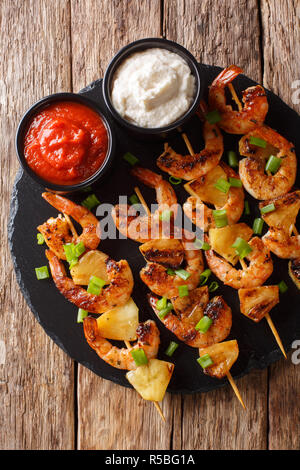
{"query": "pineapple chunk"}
[(120, 323), (204, 188), (168, 252), (151, 380), (222, 239), (191, 307), (223, 356), (294, 271), (255, 303), (92, 263), (286, 211)]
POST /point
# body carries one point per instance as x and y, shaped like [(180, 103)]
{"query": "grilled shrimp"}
[(202, 216), (156, 276), (116, 293), (252, 169), (144, 228), (91, 229), (56, 232), (148, 340), (217, 310), (189, 167), (257, 272), (282, 244), (254, 99)]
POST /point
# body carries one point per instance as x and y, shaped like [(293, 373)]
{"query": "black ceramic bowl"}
[(140, 45), (23, 127)]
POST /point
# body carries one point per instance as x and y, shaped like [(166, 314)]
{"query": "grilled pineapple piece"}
[(222, 239), (168, 252), (255, 303), (191, 307), (120, 323), (92, 263), (285, 213), (223, 356), (294, 271), (204, 188), (151, 380)]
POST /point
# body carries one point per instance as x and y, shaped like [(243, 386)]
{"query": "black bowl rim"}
[(146, 44), (41, 104)]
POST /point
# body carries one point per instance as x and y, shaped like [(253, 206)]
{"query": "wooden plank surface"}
[(36, 380)]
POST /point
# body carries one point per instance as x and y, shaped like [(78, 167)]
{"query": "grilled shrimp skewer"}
[(254, 98)]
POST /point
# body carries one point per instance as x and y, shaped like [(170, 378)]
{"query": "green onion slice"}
[(162, 303), (183, 291), (201, 244), (171, 348), (268, 208), (241, 247), (204, 324), (235, 182), (129, 158), (164, 311), (258, 226), (246, 208), (220, 217), (258, 142), (273, 164), (222, 185), (90, 202), (213, 286), (40, 238), (79, 249), (205, 361), (139, 357), (166, 215), (232, 159), (174, 180), (183, 274), (134, 199), (282, 287), (171, 272), (95, 285), (42, 272), (81, 315), (204, 276), (213, 117)]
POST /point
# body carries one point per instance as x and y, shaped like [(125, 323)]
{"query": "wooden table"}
[(48, 401)]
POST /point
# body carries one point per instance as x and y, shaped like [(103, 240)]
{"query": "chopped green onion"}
[(164, 311), (241, 247), (171, 272), (42, 272), (95, 285), (232, 159), (213, 286), (235, 182), (90, 202), (273, 164), (205, 361), (79, 249), (171, 348), (183, 291), (162, 303), (72, 252), (203, 324), (201, 245), (166, 215), (222, 185), (282, 287), (81, 315), (258, 226), (246, 208), (139, 357), (268, 208), (220, 217), (131, 159), (73, 262), (88, 189), (258, 142), (40, 238), (183, 274), (213, 116), (205, 275), (134, 199), (174, 180)]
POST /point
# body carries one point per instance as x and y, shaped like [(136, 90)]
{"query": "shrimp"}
[(148, 340), (144, 227), (216, 309), (202, 216), (189, 167), (252, 169), (56, 232), (156, 276), (254, 99), (91, 229), (282, 244), (116, 293), (257, 272)]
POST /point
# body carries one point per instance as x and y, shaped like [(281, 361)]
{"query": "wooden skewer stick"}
[(141, 198), (235, 97), (70, 223), (294, 230), (275, 333), (188, 144), (235, 389), (243, 264)]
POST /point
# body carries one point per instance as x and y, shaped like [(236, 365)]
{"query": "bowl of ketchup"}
[(65, 143)]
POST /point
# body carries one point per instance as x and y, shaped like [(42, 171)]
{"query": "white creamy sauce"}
[(153, 88)]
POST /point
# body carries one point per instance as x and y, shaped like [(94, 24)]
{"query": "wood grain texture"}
[(217, 35), (36, 380), (281, 37)]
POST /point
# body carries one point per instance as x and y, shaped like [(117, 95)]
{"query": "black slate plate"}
[(257, 345)]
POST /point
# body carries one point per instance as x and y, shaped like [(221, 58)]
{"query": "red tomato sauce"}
[(66, 143)]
